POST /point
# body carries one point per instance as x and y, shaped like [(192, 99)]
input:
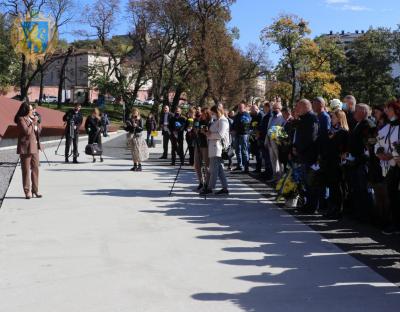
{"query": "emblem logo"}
[(34, 36)]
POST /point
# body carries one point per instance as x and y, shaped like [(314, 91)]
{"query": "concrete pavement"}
[(107, 239)]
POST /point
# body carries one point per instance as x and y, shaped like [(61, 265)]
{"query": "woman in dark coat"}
[(337, 147), (93, 128), (151, 126)]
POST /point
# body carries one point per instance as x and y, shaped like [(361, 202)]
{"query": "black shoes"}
[(136, 168), (75, 161), (222, 192), (200, 186), (66, 160), (163, 157), (205, 192)]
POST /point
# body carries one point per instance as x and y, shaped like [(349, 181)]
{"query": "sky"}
[(251, 16)]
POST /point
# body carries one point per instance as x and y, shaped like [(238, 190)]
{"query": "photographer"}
[(73, 120), (93, 129), (138, 145), (201, 125), (190, 134), (177, 128)]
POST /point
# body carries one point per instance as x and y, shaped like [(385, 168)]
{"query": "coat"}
[(93, 129), (305, 139), (28, 138), (218, 132), (387, 136)]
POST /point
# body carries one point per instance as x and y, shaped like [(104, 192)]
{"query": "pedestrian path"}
[(104, 238)]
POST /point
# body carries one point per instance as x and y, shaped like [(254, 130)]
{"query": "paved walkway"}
[(107, 239)]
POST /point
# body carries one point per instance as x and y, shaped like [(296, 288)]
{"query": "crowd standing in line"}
[(337, 157)]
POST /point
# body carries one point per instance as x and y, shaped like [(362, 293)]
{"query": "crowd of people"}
[(345, 154)]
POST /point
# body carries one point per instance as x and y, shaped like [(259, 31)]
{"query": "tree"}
[(9, 65), (60, 10), (211, 16), (288, 32), (368, 69)]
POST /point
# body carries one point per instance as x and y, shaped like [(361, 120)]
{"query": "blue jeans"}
[(150, 139), (242, 150), (217, 170)]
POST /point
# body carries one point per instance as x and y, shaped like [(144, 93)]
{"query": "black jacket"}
[(241, 123), (177, 125), (358, 141), (73, 118), (93, 129), (151, 124), (263, 127), (305, 140), (350, 120), (134, 126), (161, 121)]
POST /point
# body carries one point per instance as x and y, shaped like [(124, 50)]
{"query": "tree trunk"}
[(22, 80), (62, 77), (41, 87), (177, 96)]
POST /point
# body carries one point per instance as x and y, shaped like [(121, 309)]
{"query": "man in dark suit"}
[(305, 148), (358, 139), (164, 122), (263, 131), (177, 129), (73, 120)]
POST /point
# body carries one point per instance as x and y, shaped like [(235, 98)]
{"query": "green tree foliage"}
[(367, 72), (288, 32), (9, 65)]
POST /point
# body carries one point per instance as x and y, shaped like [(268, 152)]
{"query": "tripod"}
[(177, 174), (44, 153)]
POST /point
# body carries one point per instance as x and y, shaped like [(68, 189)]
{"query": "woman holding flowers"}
[(275, 133)]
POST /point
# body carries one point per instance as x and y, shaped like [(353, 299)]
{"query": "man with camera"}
[(177, 128), (73, 120)]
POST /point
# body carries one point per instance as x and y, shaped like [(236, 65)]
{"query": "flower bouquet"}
[(288, 186), (278, 134)]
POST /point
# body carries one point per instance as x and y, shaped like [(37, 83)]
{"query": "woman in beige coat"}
[(28, 148)]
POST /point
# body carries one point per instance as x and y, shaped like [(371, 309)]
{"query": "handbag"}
[(93, 149), (227, 151)]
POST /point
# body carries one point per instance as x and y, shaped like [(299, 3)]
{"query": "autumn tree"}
[(288, 32)]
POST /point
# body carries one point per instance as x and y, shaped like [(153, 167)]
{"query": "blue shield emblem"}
[(36, 35)]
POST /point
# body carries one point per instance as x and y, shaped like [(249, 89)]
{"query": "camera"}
[(380, 150)]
